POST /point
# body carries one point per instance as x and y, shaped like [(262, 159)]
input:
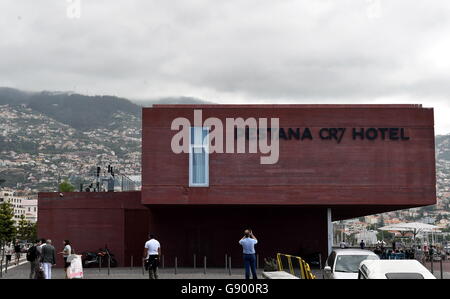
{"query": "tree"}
[(31, 231), (66, 187), (23, 231), (7, 229)]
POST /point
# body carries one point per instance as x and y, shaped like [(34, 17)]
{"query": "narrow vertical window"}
[(198, 157)]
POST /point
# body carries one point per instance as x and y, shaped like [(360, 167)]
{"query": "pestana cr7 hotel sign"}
[(263, 136)]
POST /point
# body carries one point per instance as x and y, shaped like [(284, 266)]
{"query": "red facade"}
[(309, 172), (93, 220), (284, 203)]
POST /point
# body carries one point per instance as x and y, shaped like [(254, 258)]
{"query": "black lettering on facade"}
[(393, 134), (371, 133), (307, 134), (356, 134), (403, 135), (295, 134)]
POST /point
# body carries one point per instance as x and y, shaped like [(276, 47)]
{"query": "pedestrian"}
[(65, 253), (8, 253), (152, 251), (362, 245), (17, 250), (248, 243), (48, 258), (33, 258)]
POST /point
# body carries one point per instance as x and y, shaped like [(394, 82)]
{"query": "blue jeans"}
[(250, 263)]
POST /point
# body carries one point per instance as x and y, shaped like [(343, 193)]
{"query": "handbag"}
[(39, 272)]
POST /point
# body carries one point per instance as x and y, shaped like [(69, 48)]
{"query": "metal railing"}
[(294, 265)]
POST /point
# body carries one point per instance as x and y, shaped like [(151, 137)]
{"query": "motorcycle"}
[(94, 259)]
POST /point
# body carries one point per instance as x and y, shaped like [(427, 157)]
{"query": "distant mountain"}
[(11, 96), (80, 111)]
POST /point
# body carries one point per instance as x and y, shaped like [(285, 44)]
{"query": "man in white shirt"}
[(152, 251)]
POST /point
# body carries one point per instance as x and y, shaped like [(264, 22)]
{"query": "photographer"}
[(248, 243)]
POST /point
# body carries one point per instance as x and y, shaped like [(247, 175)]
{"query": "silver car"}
[(344, 263)]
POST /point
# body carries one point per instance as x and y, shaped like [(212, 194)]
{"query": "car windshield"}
[(350, 263)]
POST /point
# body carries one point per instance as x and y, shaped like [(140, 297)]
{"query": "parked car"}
[(344, 263), (393, 269)]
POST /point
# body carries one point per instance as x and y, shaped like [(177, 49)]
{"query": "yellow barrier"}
[(294, 265)]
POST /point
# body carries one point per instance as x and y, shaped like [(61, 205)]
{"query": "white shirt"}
[(152, 247), (67, 250)]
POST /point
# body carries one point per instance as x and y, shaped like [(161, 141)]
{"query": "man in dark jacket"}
[(33, 257), (48, 258)]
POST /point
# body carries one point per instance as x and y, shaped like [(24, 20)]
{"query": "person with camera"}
[(248, 243), (152, 251)]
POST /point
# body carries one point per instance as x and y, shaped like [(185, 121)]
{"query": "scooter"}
[(92, 259)]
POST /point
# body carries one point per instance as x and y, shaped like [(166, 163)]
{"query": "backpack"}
[(32, 254)]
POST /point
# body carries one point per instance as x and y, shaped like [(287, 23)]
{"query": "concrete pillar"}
[(329, 231)]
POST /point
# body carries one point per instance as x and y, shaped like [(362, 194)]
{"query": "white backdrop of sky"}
[(234, 51)]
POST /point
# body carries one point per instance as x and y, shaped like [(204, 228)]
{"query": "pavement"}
[(13, 265), (23, 271), (436, 269)]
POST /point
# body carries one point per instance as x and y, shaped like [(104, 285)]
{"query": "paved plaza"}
[(22, 272)]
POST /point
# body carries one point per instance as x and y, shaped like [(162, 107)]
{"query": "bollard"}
[(143, 267), (100, 263), (257, 261), (226, 261), (109, 264), (204, 264), (229, 265), (440, 266), (176, 265), (131, 263), (195, 261), (163, 261)]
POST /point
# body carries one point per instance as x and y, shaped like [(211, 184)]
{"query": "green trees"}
[(7, 229), (26, 230), (66, 187)]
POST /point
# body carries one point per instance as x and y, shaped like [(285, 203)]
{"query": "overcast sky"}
[(233, 51)]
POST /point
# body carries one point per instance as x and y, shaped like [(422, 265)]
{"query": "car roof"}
[(378, 268), (353, 252)]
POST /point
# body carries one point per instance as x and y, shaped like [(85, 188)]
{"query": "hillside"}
[(83, 112), (45, 136)]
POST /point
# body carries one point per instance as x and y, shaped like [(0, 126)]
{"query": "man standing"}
[(33, 258), (17, 250), (362, 245), (152, 251), (48, 258), (248, 243)]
